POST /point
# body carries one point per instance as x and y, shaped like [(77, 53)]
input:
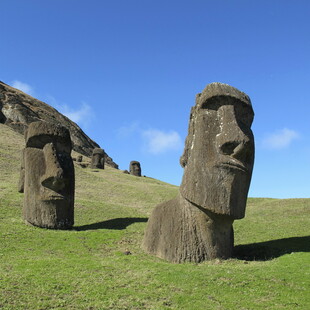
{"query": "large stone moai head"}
[(135, 168), (97, 160), (48, 176), (219, 151)]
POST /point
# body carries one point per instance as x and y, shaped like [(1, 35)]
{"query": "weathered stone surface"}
[(97, 160), (48, 176), (219, 151), (18, 110), (179, 231), (135, 168), (218, 161)]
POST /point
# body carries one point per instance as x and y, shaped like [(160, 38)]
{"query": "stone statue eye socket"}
[(244, 114), (212, 104)]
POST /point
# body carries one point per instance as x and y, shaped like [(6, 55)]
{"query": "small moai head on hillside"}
[(48, 176), (219, 151), (97, 160), (79, 158), (135, 168)]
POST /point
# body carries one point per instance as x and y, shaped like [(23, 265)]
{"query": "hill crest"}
[(18, 110)]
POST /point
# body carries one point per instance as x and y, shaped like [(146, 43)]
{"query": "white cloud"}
[(158, 141), (280, 139), (82, 115), (24, 87), (128, 130), (155, 141)]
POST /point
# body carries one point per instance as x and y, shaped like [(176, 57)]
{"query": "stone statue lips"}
[(236, 155), (233, 164), (54, 182), (52, 194)]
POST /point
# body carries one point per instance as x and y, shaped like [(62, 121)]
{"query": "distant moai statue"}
[(48, 176), (218, 161), (97, 160), (135, 168), (79, 158)]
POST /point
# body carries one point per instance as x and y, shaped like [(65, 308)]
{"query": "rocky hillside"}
[(18, 110)]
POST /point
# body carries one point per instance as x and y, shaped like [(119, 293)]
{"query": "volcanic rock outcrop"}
[(18, 110)]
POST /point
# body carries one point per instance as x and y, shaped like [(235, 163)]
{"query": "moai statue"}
[(48, 176), (135, 168), (218, 161), (97, 160), (79, 158)]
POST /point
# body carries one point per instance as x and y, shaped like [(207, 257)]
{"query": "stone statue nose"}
[(231, 140), (53, 177)]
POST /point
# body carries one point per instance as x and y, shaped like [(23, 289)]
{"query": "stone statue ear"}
[(21, 181), (184, 157), (189, 139)]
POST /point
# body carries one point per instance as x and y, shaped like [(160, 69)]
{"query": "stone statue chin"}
[(218, 161), (48, 177)]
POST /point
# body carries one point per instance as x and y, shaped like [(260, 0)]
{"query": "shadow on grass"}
[(268, 250), (118, 223)]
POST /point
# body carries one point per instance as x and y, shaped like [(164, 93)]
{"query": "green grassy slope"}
[(86, 268)]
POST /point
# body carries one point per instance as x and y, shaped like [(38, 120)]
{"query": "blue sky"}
[(128, 71)]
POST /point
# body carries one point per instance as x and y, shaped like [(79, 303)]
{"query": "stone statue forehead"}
[(40, 133), (220, 92), (134, 162)]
